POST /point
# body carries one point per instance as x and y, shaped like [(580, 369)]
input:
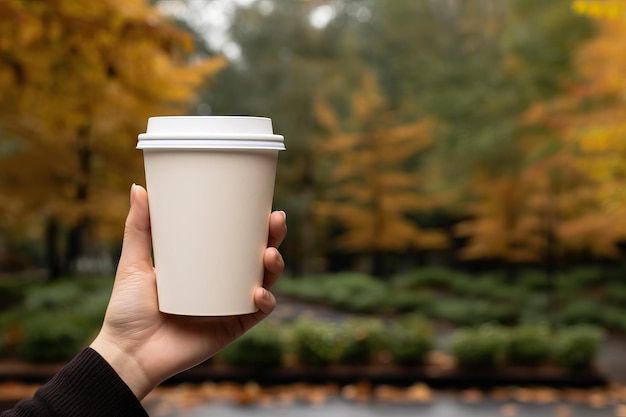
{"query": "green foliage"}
[(317, 343), (615, 293), (587, 311), (358, 292), (362, 337), (582, 278), (11, 293), (472, 312), (480, 347), (422, 301), (528, 345), (409, 340), (55, 319), (432, 277), (263, 346), (353, 291), (468, 300), (51, 338), (54, 296), (576, 347)]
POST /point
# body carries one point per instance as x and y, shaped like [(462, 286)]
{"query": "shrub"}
[(533, 281), (616, 293), (528, 345), (487, 286), (479, 347), (53, 296), (582, 311), (357, 292), (582, 278), (468, 312), (11, 293), (422, 302), (576, 347), (409, 340), (259, 347), (51, 338), (361, 337), (351, 291), (614, 318), (316, 343), (433, 277), (308, 288)]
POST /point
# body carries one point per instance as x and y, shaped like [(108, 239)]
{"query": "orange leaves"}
[(84, 78), (372, 184)]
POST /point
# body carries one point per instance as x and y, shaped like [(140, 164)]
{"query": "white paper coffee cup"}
[(210, 183)]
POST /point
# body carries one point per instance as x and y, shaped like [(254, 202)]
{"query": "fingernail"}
[(278, 256), (132, 194), (284, 215), (266, 294)]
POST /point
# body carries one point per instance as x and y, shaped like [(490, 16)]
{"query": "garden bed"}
[(439, 377), (397, 376)]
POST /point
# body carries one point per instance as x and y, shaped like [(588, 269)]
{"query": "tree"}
[(506, 163), (373, 181), (591, 118), (284, 63), (78, 84)]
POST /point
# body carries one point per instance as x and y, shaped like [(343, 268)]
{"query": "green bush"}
[(259, 347), (51, 338), (357, 292), (581, 278), (576, 347), (480, 347), (362, 337), (11, 293), (57, 295), (316, 343), (422, 302), (585, 311), (615, 292), (468, 312), (614, 318), (533, 281), (486, 286), (352, 291), (528, 345), (308, 288), (432, 277), (409, 340)]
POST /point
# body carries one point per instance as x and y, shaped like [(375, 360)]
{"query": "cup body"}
[(209, 213)]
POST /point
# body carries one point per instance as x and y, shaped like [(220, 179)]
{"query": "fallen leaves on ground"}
[(187, 396)]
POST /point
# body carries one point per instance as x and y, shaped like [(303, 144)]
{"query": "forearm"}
[(87, 386)]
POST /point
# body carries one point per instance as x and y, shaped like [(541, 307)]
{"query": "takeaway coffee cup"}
[(210, 183)]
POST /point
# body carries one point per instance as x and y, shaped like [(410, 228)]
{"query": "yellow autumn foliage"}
[(371, 187), (78, 82)]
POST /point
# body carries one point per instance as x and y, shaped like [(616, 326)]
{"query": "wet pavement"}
[(443, 406)]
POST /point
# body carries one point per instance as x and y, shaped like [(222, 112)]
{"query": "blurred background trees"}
[(474, 134), (78, 82)]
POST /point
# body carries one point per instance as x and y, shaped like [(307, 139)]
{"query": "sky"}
[(212, 18)]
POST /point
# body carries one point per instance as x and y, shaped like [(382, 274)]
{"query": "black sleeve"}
[(87, 386)]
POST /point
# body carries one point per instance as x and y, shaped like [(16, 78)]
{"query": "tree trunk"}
[(77, 235), (53, 256)]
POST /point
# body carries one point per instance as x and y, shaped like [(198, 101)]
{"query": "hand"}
[(145, 346)]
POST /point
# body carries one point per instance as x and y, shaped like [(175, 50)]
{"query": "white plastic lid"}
[(210, 132)]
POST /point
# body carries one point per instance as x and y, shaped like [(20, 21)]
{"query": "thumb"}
[(137, 245)]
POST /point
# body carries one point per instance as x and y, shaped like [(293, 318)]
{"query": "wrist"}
[(125, 365)]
